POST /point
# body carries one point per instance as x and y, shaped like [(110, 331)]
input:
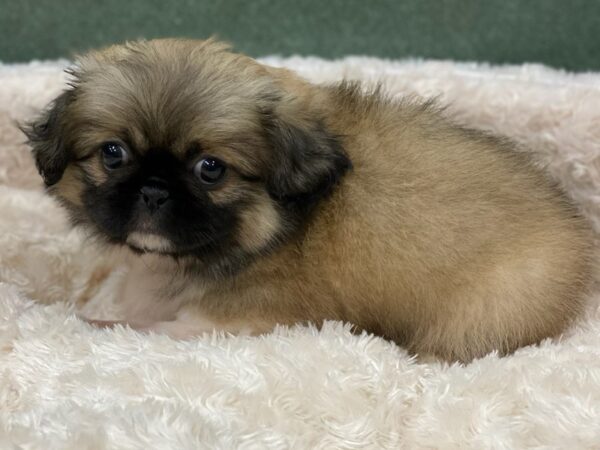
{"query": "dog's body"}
[(337, 204)]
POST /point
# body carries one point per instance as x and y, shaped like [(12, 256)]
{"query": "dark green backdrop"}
[(562, 33)]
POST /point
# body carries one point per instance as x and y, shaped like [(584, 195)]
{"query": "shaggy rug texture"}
[(67, 385)]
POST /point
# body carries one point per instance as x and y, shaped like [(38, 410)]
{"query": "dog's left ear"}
[(308, 160), (45, 136)]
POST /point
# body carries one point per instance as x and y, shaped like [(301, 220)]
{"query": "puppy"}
[(254, 198)]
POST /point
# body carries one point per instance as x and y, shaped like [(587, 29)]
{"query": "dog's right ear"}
[(45, 135)]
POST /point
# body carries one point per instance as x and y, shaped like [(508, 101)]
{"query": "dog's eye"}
[(113, 155), (209, 170)]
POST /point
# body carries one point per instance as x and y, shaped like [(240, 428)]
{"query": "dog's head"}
[(184, 148)]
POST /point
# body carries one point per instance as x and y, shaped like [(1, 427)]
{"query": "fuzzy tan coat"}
[(337, 390)]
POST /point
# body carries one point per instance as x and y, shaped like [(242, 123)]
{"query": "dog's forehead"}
[(172, 100)]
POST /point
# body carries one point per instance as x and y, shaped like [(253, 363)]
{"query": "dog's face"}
[(183, 148)]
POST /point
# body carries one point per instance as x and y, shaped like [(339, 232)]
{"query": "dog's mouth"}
[(144, 236), (147, 242), (142, 242)]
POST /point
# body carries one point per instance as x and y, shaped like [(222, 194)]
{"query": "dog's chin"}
[(149, 242), (146, 242)]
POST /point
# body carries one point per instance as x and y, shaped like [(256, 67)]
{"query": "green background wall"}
[(561, 33)]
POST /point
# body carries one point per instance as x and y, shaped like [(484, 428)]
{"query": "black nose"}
[(154, 193)]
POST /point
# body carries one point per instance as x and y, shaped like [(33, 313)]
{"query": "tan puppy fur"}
[(340, 205)]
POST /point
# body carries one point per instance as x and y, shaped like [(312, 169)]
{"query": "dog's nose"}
[(154, 193)]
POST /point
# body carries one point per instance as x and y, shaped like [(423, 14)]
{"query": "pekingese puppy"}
[(254, 198)]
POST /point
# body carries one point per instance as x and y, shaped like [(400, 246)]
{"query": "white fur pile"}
[(66, 385)]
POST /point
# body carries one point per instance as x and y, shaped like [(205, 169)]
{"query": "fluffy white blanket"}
[(66, 385)]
